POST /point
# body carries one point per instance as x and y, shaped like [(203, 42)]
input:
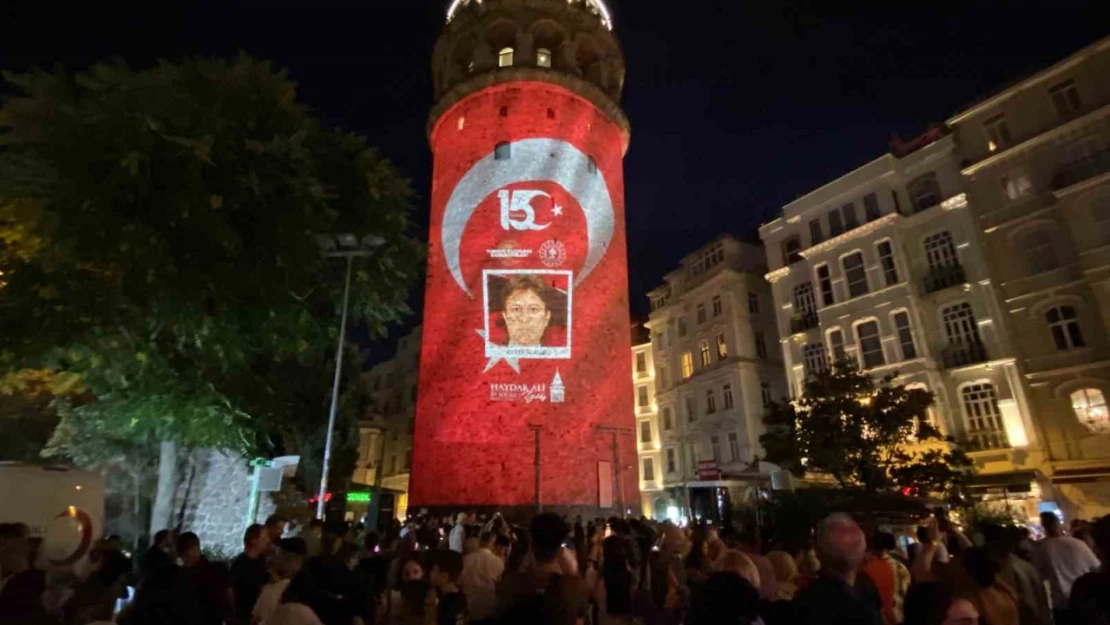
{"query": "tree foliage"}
[(863, 434), (156, 243)]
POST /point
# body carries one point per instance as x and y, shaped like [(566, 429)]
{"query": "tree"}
[(863, 434), (156, 243)]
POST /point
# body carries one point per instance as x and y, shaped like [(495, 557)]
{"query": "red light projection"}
[(526, 326)]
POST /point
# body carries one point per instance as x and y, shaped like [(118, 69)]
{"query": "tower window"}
[(592, 166), (543, 57), (551, 113), (505, 57), (504, 111), (503, 151)]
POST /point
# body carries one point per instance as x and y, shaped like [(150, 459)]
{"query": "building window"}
[(663, 381), (645, 431), (940, 251), (668, 422), (718, 307), (649, 470), (849, 212), (984, 423), (753, 300), (905, 335), (687, 365), (1063, 323), (681, 326), (815, 234), (959, 325), (710, 401), (855, 274), (1016, 185), (924, 191), (1065, 97), (998, 133), (642, 395), (814, 359), (1100, 214), (670, 460), (543, 57), (505, 57), (792, 250), (870, 347), (760, 345), (701, 313), (886, 260), (871, 207), (765, 394), (691, 409), (836, 225), (641, 362), (715, 446), (722, 346), (734, 446), (836, 346), (726, 393), (703, 348), (1038, 251), (693, 456), (803, 300), (502, 151), (1089, 405), (408, 459), (824, 282)]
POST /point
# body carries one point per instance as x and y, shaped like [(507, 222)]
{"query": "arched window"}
[(1089, 405), (804, 303), (792, 250), (940, 250), (1038, 251), (503, 151), (505, 57), (1063, 323), (960, 325), (982, 417), (543, 57)]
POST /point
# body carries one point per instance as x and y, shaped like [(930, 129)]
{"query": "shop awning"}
[(1016, 482), (1080, 476)]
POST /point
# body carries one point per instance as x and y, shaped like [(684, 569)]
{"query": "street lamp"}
[(350, 247)]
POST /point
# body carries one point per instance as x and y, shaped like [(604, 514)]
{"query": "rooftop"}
[(594, 6)]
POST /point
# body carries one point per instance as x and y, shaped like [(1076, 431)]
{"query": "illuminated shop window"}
[(1089, 405), (505, 57), (543, 57)]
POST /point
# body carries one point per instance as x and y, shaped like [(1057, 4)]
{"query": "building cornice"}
[(1037, 140), (855, 233)]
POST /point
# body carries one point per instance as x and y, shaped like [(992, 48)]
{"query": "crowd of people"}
[(601, 572)]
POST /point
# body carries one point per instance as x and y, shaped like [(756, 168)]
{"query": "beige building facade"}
[(713, 366), (1036, 163)]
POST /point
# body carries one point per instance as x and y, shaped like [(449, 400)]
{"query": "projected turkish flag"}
[(526, 325)]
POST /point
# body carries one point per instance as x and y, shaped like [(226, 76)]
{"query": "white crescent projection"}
[(532, 160)]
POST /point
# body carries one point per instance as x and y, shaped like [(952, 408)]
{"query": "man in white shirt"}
[(458, 533), (481, 572), (1062, 560)]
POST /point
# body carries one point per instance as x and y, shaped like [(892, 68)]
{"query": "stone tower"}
[(526, 396)]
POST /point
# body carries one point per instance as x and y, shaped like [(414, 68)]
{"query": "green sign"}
[(363, 497)]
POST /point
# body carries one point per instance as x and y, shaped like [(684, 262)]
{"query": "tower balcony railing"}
[(943, 277), (962, 354), (803, 322), (1083, 169)]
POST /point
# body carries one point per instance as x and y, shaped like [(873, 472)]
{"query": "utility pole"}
[(537, 431), (618, 470)]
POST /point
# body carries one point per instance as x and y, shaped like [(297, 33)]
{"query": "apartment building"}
[(712, 330), (1036, 166), (648, 441)]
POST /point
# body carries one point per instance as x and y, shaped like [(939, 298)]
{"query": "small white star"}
[(558, 210)]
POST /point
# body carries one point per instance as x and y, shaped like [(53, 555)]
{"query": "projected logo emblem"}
[(528, 312)]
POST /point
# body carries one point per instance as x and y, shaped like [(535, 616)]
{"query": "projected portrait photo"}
[(528, 313)]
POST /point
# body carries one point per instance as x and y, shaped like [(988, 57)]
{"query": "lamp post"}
[(350, 247)]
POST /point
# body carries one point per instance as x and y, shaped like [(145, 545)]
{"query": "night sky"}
[(735, 110)]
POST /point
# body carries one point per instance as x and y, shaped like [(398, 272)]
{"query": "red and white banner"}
[(526, 305)]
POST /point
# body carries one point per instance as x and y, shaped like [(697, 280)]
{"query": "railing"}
[(982, 440), (1082, 169), (963, 354), (943, 277), (803, 322)]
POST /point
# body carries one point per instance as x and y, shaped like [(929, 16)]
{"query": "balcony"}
[(1083, 169), (803, 322), (943, 277), (956, 355), (984, 440)]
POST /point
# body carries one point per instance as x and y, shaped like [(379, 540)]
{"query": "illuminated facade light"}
[(1013, 424)]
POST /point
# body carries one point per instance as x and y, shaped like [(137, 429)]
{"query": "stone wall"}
[(212, 499)]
